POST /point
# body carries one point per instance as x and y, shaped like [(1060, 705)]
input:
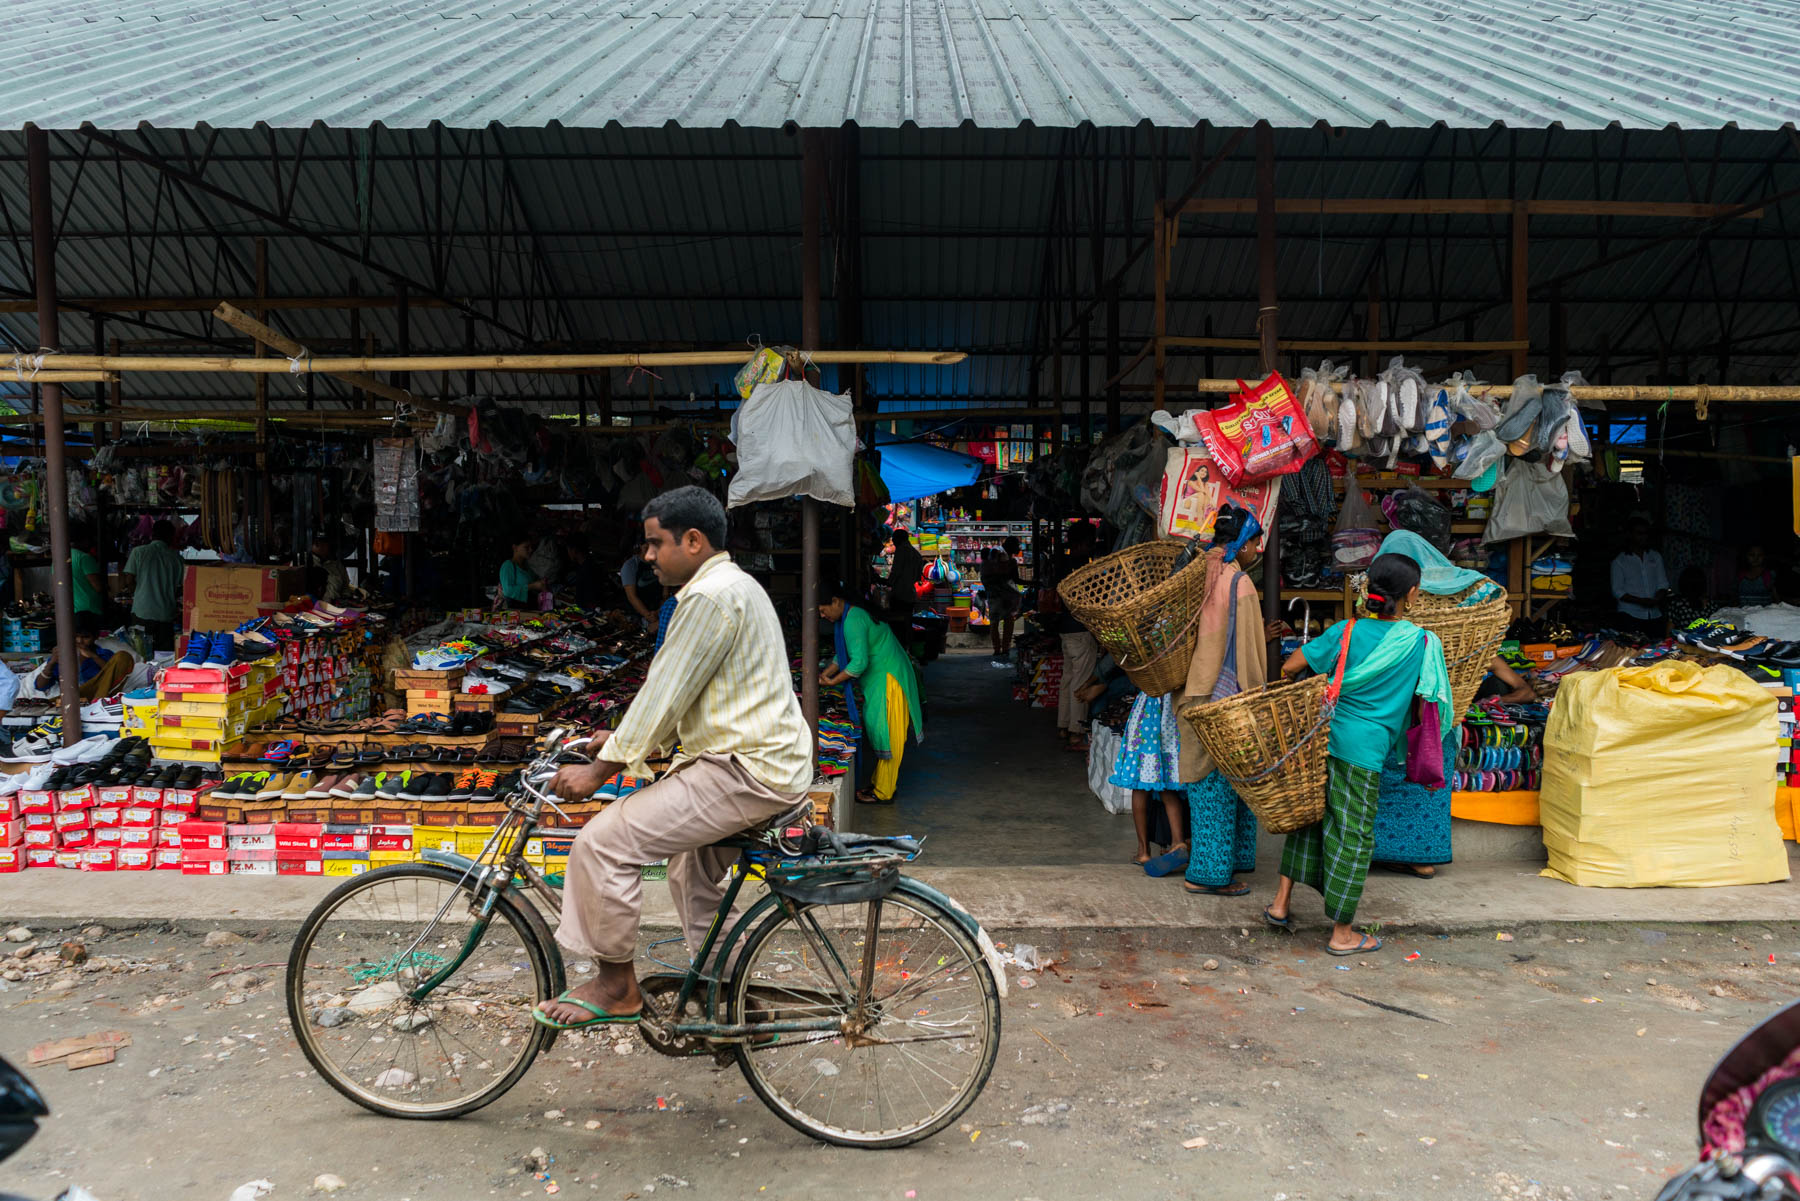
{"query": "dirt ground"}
[(1563, 1063)]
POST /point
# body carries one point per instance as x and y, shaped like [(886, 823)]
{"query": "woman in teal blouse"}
[(886, 684), (516, 581)]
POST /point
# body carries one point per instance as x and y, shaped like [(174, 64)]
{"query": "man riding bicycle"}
[(721, 686)]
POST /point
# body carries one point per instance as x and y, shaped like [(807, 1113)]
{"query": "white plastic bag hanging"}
[(794, 440), (1531, 499)]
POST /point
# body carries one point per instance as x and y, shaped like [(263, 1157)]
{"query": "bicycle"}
[(843, 994)]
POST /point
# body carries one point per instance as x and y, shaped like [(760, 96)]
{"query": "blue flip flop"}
[(1166, 864), (600, 1018), (1364, 946)]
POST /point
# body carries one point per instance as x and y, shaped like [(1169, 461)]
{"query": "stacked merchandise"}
[(97, 806), (264, 849), (204, 705), (1502, 748), (326, 668), (1038, 670), (1787, 755)]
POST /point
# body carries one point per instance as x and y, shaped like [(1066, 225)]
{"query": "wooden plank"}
[(1388, 206), (91, 1058), (62, 1048), (1321, 344)]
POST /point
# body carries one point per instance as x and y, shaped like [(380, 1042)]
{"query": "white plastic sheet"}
[(794, 440)]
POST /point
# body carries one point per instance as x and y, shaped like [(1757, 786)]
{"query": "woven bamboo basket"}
[(1270, 745), (1146, 619), (1470, 634)]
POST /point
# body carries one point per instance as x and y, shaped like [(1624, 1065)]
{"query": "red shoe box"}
[(140, 817), (149, 797), (12, 832), (136, 859), (69, 859), (115, 797), (344, 838), (76, 798), (136, 836), (12, 859), (207, 867), (168, 858), (74, 840), (106, 817), (37, 801), (41, 856), (168, 836), (288, 839), (109, 838), (100, 859), (203, 835), (299, 867), (41, 838), (181, 799), (9, 806), (75, 819), (252, 867)]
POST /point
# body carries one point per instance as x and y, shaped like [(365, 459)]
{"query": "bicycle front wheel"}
[(917, 1013), (375, 939)]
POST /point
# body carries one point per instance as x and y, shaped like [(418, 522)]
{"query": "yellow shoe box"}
[(347, 867), (385, 858)]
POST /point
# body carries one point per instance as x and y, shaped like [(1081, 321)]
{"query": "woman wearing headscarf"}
[(1230, 658), (1412, 822), (885, 694)]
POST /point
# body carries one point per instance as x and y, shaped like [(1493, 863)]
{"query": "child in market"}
[(1391, 662)]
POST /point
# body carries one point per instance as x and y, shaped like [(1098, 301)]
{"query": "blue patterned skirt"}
[(1150, 752), (1412, 822)]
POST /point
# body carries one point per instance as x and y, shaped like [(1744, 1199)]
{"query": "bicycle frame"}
[(501, 866)]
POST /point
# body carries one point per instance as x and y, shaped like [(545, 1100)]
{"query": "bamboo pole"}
[(58, 377), (457, 362), (1651, 393), (290, 349)]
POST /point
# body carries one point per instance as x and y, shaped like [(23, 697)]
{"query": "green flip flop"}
[(600, 1018)]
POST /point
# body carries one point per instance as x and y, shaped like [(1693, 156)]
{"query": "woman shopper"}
[(1412, 821), (1390, 662), (885, 695), (516, 581), (1231, 658)]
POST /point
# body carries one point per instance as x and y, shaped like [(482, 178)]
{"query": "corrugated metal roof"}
[(888, 63)]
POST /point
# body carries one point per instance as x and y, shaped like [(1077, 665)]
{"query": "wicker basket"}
[(1271, 746), (1470, 634), (1148, 621)]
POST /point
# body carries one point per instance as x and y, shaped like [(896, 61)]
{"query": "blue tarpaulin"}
[(914, 469)]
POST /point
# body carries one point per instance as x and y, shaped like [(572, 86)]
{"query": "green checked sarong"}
[(1333, 855)]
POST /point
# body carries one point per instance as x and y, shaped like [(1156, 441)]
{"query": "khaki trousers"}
[(1080, 655), (678, 817)]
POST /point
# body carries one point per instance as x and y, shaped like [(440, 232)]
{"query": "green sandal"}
[(600, 1018)]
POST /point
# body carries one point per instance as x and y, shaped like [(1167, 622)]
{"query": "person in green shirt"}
[(1391, 661), (85, 571), (886, 685), (516, 580), (154, 573)]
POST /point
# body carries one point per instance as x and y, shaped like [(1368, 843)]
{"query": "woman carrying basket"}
[(1231, 657), (1388, 662), (1412, 821)]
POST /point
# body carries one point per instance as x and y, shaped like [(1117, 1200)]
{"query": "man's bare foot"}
[(617, 1001), (1142, 857)]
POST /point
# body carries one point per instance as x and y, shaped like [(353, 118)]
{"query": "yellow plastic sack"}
[(1661, 776)]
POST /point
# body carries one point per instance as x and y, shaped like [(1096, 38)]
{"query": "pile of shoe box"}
[(325, 675), (429, 692), (205, 707), (241, 849), (110, 811)]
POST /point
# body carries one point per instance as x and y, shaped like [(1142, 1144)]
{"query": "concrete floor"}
[(990, 786)]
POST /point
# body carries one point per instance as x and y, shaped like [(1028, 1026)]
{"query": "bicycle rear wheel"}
[(902, 1066), (374, 939)]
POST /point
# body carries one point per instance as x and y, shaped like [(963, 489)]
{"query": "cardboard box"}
[(75, 798), (40, 838), (12, 859), (36, 800), (106, 817), (114, 797), (145, 839), (140, 817), (100, 859), (108, 838), (435, 838), (339, 867), (136, 859), (12, 833), (472, 840), (203, 836), (259, 867), (224, 596), (151, 798), (72, 820), (299, 867), (345, 838), (205, 867), (75, 840), (69, 860), (168, 859), (553, 846), (204, 854), (9, 806), (385, 858)]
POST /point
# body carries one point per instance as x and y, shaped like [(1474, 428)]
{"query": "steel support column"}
[(1266, 329), (812, 188), (62, 585)]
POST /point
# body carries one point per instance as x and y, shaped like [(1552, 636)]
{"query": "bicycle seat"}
[(757, 836)]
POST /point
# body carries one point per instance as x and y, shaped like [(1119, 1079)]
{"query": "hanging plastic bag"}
[(1478, 411), (763, 367), (1356, 537), (1417, 510), (1438, 419), (794, 439), (1263, 433), (1531, 498), (1194, 490), (1319, 400), (1518, 422), (1484, 451)]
